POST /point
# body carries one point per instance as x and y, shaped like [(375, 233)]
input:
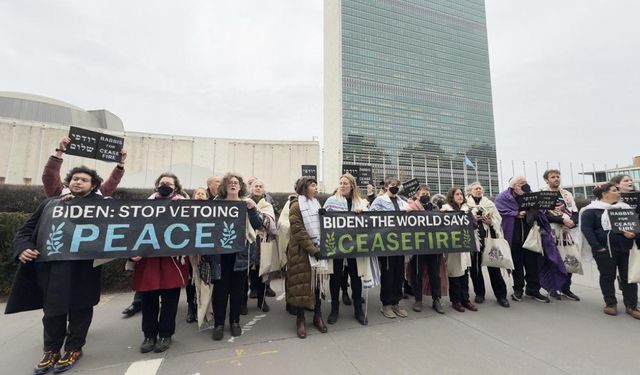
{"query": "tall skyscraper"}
[(407, 91)]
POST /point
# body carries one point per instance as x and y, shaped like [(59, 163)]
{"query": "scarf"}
[(309, 211), (489, 210), (585, 250)]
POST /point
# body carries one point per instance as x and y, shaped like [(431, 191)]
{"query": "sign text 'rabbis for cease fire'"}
[(348, 235), (94, 145), (94, 229)]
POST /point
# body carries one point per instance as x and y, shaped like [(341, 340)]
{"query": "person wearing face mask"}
[(347, 198), (488, 222), (391, 267), (516, 224), (422, 202), (458, 263), (65, 290), (610, 250), (159, 280)]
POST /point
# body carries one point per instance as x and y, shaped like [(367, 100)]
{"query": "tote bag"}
[(497, 253), (570, 254), (634, 264), (534, 241)]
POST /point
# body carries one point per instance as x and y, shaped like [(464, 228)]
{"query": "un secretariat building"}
[(408, 91)]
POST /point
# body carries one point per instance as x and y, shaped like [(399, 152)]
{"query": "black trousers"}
[(56, 329), (159, 309), (336, 278), (459, 288), (525, 262), (257, 284), (191, 290), (607, 266), (432, 261), (391, 279), (137, 299), (345, 281), (317, 309), (228, 289), (495, 276)]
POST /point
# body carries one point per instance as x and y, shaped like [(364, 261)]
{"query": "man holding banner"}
[(66, 290)]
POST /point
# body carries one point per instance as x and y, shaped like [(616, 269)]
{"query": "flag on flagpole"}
[(468, 162)]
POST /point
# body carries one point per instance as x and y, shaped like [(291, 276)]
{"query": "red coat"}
[(160, 273)]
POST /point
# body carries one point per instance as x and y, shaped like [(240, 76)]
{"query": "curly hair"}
[(176, 182), (96, 180), (222, 188), (302, 185)]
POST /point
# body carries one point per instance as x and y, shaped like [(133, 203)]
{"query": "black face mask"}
[(394, 190), (424, 199), (165, 190), (526, 188)]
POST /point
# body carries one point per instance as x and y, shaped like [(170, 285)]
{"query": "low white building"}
[(31, 127)]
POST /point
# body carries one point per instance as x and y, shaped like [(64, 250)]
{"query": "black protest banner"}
[(544, 200), (310, 171), (94, 145), (623, 219), (108, 228), (410, 187), (632, 198), (350, 235), (352, 169)]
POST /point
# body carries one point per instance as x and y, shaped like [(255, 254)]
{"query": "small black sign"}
[(624, 220), (631, 198), (365, 176), (410, 187), (310, 171), (544, 200), (94, 145), (352, 169)]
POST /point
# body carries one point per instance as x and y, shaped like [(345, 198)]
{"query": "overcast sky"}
[(564, 73)]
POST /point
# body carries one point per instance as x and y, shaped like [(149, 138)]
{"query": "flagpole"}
[(476, 168), (451, 170), (438, 165), (489, 170)]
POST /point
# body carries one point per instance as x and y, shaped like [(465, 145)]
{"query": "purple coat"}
[(552, 274)]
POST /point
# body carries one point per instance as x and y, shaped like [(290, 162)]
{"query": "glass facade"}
[(416, 90)]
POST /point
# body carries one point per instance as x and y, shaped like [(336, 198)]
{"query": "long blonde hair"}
[(355, 190)]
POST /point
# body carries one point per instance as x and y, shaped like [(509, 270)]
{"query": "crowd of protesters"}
[(287, 242)]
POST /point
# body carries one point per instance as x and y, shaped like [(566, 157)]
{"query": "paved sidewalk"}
[(563, 337)]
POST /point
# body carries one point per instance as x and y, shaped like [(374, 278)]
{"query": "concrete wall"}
[(332, 155), (25, 147)]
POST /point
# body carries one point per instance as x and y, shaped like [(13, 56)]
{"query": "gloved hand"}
[(319, 255)]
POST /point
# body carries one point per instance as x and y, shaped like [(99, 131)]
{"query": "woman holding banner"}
[(488, 225), (306, 273), (159, 279), (347, 198), (458, 263), (229, 271), (610, 250)]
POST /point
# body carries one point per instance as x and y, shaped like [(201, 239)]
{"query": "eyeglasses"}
[(233, 183)]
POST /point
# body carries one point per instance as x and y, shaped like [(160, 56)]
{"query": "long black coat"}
[(56, 286)]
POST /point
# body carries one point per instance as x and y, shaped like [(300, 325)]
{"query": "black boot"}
[(191, 313), (359, 314), (335, 310)]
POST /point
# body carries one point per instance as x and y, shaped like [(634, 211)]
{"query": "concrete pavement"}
[(563, 337)]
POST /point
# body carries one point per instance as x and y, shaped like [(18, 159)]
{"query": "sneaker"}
[(236, 330), (163, 344), (633, 311), (387, 311), (67, 361), (399, 311), (539, 297), (417, 306), (437, 306), (479, 299), (218, 333), (517, 296), (569, 294), (554, 294), (148, 345), (49, 359), (611, 310)]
